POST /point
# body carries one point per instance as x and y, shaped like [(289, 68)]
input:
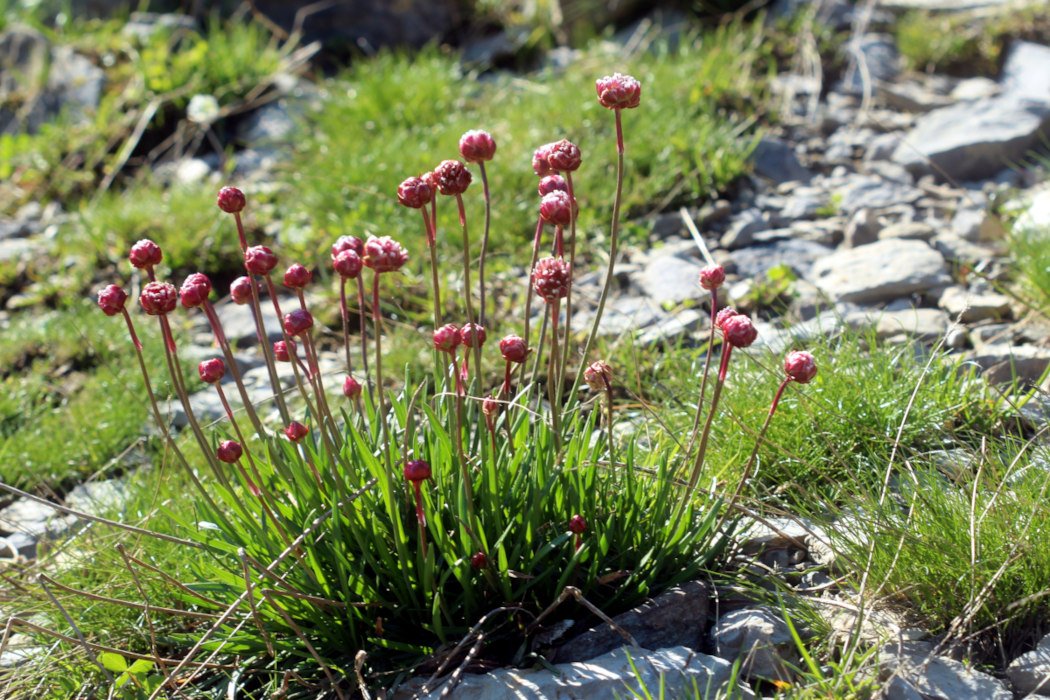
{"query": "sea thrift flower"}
[(296, 431), (577, 525), (158, 298), (479, 560), (231, 200), (552, 183), (195, 290), (211, 371), (446, 338), (476, 146), (284, 351), (111, 299), (513, 349), (431, 178), (415, 193), (145, 254), (490, 408), (724, 315), (598, 376), (739, 331), (712, 277), (347, 264), (453, 178), (540, 166), (384, 254), (472, 335), (618, 91), (351, 388), (229, 451), (348, 243), (297, 276), (800, 366), (298, 322), (417, 470), (241, 290), (551, 279), (557, 208), (259, 260), (564, 156)]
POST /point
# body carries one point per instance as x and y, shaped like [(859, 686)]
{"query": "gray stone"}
[(17, 228), (802, 206), (622, 315), (799, 255), (670, 279), (928, 325), (17, 545), (1004, 363), (23, 60), (1034, 216), (862, 229), (74, 84), (1024, 71), (970, 307), (908, 230), (239, 322), (742, 231), (975, 89), (958, 250), (143, 25), (775, 160), (882, 146), (672, 327), (97, 497), (21, 648), (760, 638), (870, 192), (873, 59), (1030, 673), (32, 518), (881, 271), (937, 677), (911, 96), (270, 124)]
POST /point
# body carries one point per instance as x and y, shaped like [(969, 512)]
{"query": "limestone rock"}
[(882, 271)]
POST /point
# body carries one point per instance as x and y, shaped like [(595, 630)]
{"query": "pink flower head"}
[(577, 525), (229, 451), (479, 560), (241, 290), (259, 260), (384, 254), (284, 351), (297, 322), (739, 331), (618, 91), (513, 349), (158, 298), (296, 431), (348, 243), (145, 254), (417, 470), (540, 165), (564, 156), (231, 200), (351, 388), (724, 315), (347, 264), (476, 146), (472, 335), (557, 208), (297, 276), (800, 366), (415, 193), (490, 407), (211, 371), (430, 177), (551, 183), (712, 277), (552, 278), (446, 338), (452, 177), (195, 290), (598, 376), (111, 299)]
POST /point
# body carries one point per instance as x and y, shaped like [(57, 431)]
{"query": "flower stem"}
[(703, 382), (698, 463), (271, 363), (364, 331), (231, 362), (432, 244), (572, 266), (344, 313), (553, 390), (377, 319), (484, 238), (466, 280), (529, 296)]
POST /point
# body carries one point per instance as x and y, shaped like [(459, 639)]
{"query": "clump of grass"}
[(1032, 258)]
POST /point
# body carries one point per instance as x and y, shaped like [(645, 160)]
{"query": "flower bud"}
[(384, 254), (195, 290), (598, 376), (417, 470), (297, 276), (800, 366), (739, 331), (284, 351), (211, 371), (158, 298), (259, 260), (351, 388), (724, 315), (618, 91), (552, 183), (513, 349), (231, 200), (431, 178), (557, 208), (446, 338), (476, 146), (296, 431), (577, 525), (298, 322), (347, 264), (348, 243), (229, 451), (490, 407), (712, 277), (453, 178), (111, 299), (415, 193), (472, 335), (564, 156), (241, 290), (479, 560), (540, 166), (551, 279), (145, 254)]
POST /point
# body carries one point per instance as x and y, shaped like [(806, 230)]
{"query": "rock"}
[(97, 497), (676, 670), (881, 271), (802, 206), (676, 617), (622, 315), (742, 231), (143, 25), (957, 250), (17, 228), (862, 229), (870, 192), (33, 518), (17, 545), (74, 84), (775, 160), (672, 327), (970, 307), (937, 677), (760, 637), (1029, 673), (20, 649), (239, 323), (1004, 363), (975, 89), (1024, 71), (909, 230), (928, 325), (1035, 214), (18, 249), (670, 279), (881, 147), (23, 60), (799, 255), (270, 124), (873, 58), (911, 96)]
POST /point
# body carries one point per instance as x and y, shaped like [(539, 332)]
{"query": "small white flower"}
[(203, 110)]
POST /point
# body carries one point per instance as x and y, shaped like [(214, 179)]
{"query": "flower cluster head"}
[(552, 183), (712, 277), (739, 331), (145, 254), (618, 91), (195, 290), (231, 200), (111, 299), (296, 431), (351, 388), (477, 146), (453, 178), (446, 338), (564, 156), (259, 260), (384, 254), (724, 315), (347, 264), (557, 208), (577, 525), (540, 165), (241, 290), (348, 243), (479, 560), (800, 366), (598, 376), (284, 351), (490, 407), (229, 451), (472, 335), (417, 470), (514, 349), (552, 278), (211, 371), (158, 298), (297, 276), (415, 192), (298, 322)]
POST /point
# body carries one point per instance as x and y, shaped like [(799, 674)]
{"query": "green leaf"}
[(113, 662)]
